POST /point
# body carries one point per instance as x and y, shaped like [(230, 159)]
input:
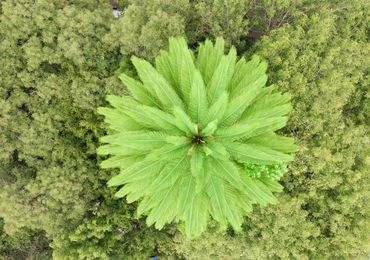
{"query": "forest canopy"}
[(60, 59)]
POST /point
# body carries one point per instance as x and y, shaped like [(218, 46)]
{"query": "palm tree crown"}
[(196, 137)]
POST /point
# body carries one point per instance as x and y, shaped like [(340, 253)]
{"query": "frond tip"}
[(195, 140)]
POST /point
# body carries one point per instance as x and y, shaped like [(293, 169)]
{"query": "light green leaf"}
[(196, 163), (123, 161), (209, 57), (242, 70), (138, 91), (169, 152), (222, 76), (210, 128), (186, 194), (250, 128), (184, 122), (198, 100), (118, 150), (218, 150), (118, 121), (256, 153), (239, 104), (197, 215), (257, 191), (227, 170), (223, 208), (165, 205), (140, 141), (275, 142), (139, 170), (158, 84), (177, 66), (217, 110), (271, 105), (251, 71)]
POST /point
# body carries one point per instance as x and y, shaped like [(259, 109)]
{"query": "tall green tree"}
[(189, 138)]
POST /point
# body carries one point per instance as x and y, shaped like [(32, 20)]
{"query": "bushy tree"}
[(55, 69), (146, 25), (323, 212), (24, 244), (329, 177), (225, 19)]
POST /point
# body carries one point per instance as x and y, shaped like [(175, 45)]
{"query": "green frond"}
[(210, 128), (221, 77), (165, 63), (227, 170), (164, 211), (118, 150), (139, 170), (223, 203), (242, 69), (134, 110), (158, 84), (123, 161), (271, 105), (271, 184), (245, 152), (257, 192), (217, 110), (169, 152), (196, 162), (198, 100), (202, 181), (275, 142), (184, 122), (138, 91), (250, 128), (207, 150), (161, 120), (253, 70), (218, 150), (186, 65), (170, 173), (209, 57), (238, 105), (177, 140), (177, 67), (186, 194), (140, 141), (118, 121), (133, 190), (121, 103), (203, 175), (267, 91), (239, 73), (197, 215), (164, 204)]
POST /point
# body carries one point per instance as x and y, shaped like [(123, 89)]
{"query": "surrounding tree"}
[(58, 61)]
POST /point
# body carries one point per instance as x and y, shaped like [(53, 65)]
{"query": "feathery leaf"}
[(196, 138)]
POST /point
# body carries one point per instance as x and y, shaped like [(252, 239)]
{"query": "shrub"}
[(56, 66), (146, 25)]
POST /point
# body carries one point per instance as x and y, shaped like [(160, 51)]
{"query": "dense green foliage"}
[(58, 61), (196, 137)]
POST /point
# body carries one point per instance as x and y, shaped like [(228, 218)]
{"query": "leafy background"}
[(58, 60)]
